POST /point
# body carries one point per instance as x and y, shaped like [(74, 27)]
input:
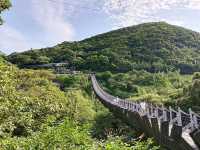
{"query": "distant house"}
[(60, 68), (52, 65), (48, 66)]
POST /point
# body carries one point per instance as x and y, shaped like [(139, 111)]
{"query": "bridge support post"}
[(164, 131), (196, 137), (176, 132), (155, 129), (175, 136), (147, 125), (132, 113), (135, 120), (178, 141)]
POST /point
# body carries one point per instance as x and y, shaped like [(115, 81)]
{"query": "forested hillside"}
[(151, 62), (1, 53), (170, 89), (152, 47), (42, 110), (36, 114)]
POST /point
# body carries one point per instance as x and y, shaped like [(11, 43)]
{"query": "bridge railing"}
[(189, 121)]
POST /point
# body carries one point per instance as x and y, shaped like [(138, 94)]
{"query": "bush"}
[(196, 76), (195, 91)]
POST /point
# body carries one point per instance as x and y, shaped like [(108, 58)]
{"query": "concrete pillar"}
[(184, 145), (176, 132), (155, 129), (178, 141), (164, 132), (147, 126), (175, 136), (135, 121), (164, 129), (196, 137)]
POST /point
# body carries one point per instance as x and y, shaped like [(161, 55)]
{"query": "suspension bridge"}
[(172, 129)]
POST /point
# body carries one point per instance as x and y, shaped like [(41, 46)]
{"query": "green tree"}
[(194, 89), (4, 4), (43, 60), (154, 47)]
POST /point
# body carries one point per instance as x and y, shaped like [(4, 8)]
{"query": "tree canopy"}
[(4, 4), (40, 110), (154, 47)]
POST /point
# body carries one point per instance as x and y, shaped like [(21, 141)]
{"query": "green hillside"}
[(40, 109), (151, 46), (1, 54), (36, 114)]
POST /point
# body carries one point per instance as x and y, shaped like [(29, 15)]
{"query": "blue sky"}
[(44, 23)]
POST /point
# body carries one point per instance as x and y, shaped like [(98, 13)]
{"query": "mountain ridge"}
[(154, 47)]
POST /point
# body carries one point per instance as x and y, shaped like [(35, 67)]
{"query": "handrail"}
[(188, 121)]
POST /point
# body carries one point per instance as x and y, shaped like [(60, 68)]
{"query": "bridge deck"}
[(173, 129)]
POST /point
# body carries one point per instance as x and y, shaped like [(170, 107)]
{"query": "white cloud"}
[(11, 39), (194, 4), (54, 16), (130, 12), (51, 15)]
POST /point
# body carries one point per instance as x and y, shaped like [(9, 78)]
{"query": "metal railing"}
[(188, 121)]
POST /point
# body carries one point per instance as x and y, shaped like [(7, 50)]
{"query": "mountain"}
[(153, 47), (1, 53)]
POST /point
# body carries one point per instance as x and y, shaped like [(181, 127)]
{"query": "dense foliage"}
[(142, 85), (41, 110), (152, 46), (171, 89), (4, 4), (36, 114), (191, 94)]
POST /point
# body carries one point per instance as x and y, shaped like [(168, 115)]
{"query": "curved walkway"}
[(173, 129)]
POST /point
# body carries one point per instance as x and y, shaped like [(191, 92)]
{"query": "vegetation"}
[(41, 110), (142, 85), (36, 114), (170, 89), (4, 4), (1, 54), (191, 94), (154, 47)]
